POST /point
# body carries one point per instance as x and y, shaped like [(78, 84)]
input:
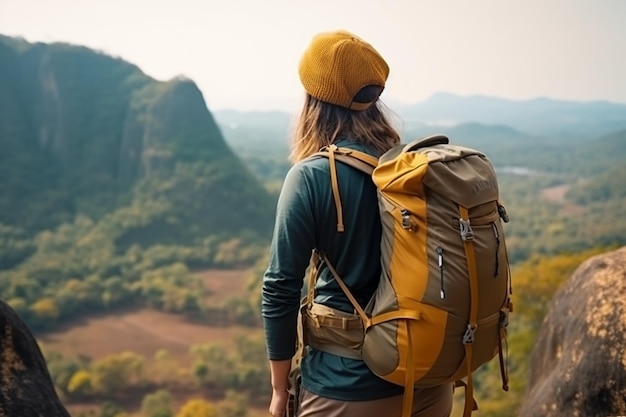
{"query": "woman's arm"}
[(290, 252), (280, 384)]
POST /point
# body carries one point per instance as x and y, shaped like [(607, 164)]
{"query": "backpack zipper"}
[(442, 292), (497, 235)]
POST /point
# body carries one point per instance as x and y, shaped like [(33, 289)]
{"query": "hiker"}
[(343, 77)]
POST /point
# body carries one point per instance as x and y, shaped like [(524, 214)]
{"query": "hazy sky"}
[(244, 54)]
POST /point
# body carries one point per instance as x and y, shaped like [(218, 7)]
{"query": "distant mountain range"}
[(469, 116), (539, 117)]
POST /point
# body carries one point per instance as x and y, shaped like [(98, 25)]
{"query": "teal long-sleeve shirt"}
[(306, 218)]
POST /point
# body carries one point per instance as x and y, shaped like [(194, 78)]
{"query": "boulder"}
[(578, 365)]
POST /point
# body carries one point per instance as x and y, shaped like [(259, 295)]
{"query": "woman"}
[(343, 77)]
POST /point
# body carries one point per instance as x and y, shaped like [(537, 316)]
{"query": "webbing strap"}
[(460, 383), (356, 162), (335, 348), (313, 271), (504, 369), (409, 376), (356, 159), (395, 315), (468, 339), (308, 302), (346, 291), (503, 350), (469, 388), (472, 271), (335, 186)]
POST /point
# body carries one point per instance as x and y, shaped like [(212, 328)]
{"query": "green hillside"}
[(108, 174), (79, 130)]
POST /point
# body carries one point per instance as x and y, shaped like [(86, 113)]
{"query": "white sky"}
[(243, 54)]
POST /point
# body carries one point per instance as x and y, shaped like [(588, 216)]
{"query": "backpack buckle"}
[(468, 337), (406, 219), (466, 230)]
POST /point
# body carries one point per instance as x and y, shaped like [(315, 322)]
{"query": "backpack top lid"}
[(425, 142), (414, 145)]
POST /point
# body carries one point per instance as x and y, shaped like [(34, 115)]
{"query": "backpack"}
[(441, 307)]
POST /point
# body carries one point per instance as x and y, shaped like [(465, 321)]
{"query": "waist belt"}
[(333, 331), (344, 323)]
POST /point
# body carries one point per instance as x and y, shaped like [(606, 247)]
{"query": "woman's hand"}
[(278, 405)]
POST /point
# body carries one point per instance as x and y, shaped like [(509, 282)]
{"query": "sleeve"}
[(290, 252)]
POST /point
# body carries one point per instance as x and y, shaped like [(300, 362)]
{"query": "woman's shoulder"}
[(308, 173), (311, 165)]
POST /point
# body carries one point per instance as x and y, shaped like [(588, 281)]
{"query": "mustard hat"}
[(337, 65)]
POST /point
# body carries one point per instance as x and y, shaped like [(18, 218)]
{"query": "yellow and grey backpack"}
[(442, 304)]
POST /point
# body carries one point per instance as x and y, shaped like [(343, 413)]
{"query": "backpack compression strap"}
[(364, 318), (468, 339), (356, 159)]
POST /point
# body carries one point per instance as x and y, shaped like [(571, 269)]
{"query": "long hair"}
[(321, 124)]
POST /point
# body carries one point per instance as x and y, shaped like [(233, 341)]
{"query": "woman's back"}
[(343, 77)]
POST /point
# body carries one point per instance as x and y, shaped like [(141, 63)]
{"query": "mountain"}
[(540, 116), (453, 114), (257, 134), (84, 133)]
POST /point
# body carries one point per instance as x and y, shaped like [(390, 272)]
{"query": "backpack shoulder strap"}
[(356, 159)]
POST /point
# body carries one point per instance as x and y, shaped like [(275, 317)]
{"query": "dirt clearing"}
[(145, 331)]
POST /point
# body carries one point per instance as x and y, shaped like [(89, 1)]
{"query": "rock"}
[(26, 389), (578, 365)]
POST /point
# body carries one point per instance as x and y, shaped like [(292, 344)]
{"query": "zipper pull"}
[(442, 292), (497, 235)]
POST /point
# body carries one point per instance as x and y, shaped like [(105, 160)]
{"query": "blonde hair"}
[(321, 124)]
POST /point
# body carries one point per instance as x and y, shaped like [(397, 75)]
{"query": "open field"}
[(557, 195), (146, 331), (143, 331)]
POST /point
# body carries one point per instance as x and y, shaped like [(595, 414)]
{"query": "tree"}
[(110, 409), (157, 404), (197, 408), (45, 309), (19, 305), (61, 369), (116, 372), (233, 405), (536, 281), (214, 366), (80, 383)]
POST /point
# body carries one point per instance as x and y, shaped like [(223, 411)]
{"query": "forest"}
[(131, 195)]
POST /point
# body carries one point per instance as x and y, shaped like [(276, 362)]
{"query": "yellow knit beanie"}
[(337, 65)]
